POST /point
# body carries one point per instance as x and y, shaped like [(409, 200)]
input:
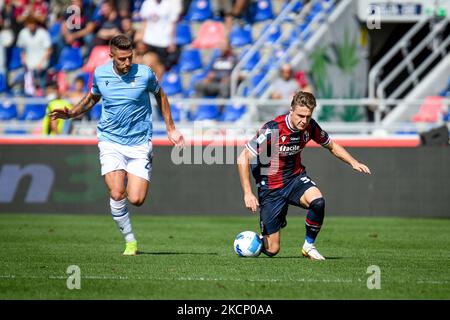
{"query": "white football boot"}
[(310, 251)]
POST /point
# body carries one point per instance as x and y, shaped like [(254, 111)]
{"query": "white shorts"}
[(136, 160)]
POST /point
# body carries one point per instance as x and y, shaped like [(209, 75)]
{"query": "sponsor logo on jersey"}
[(283, 138), (290, 150)]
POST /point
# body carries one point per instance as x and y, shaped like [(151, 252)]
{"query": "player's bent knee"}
[(136, 201), (318, 206), (117, 195)]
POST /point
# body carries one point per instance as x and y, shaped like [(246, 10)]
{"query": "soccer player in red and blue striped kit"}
[(274, 158)]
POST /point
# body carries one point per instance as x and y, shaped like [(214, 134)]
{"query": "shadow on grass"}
[(176, 253), (300, 257)]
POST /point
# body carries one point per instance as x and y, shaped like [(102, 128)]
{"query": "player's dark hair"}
[(122, 42), (303, 99)]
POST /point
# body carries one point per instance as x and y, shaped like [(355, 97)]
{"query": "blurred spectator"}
[(127, 27), (36, 51), (14, 13), (229, 9), (57, 126), (123, 7), (288, 82), (75, 93), (78, 30), (108, 25), (217, 81), (141, 54), (158, 33)]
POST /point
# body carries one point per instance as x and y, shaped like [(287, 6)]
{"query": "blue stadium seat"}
[(275, 33), (241, 36), (70, 59), (195, 77), (207, 112), (176, 112), (8, 111), (15, 61), (171, 82), (96, 112), (232, 113), (55, 32), (297, 8), (190, 60), (3, 83), (183, 33), (33, 112), (253, 60), (262, 10), (199, 10)]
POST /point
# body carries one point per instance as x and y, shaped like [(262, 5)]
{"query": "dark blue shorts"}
[(273, 204)]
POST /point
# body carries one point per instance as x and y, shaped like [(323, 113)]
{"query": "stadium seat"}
[(232, 112), (8, 110), (176, 112), (135, 15), (199, 10), (33, 112), (195, 77), (207, 112), (190, 60), (240, 36), (253, 60), (262, 10), (70, 59), (3, 83), (183, 33), (15, 61), (55, 32), (171, 82), (211, 35), (275, 33), (96, 112), (99, 55), (430, 111)]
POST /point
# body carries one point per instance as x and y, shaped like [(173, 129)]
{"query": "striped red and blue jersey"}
[(278, 147)]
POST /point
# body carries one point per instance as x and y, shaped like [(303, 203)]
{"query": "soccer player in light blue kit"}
[(125, 129)]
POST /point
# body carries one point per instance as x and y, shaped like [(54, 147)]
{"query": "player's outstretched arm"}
[(84, 105), (251, 202), (339, 152), (174, 135)]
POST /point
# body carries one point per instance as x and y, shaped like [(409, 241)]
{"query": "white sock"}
[(307, 244), (119, 211)]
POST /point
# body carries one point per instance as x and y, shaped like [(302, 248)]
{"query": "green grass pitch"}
[(192, 258)]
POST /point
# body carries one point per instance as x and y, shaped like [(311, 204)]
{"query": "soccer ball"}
[(247, 244)]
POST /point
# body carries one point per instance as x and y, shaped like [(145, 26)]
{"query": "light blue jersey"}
[(126, 111)]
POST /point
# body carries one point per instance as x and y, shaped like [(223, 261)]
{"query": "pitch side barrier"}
[(62, 175)]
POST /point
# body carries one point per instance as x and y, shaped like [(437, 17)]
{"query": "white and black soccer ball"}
[(247, 244)]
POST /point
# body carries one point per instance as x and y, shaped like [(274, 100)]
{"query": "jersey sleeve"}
[(319, 135), (94, 88), (152, 82), (261, 140)]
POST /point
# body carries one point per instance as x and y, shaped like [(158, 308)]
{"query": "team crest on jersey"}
[(283, 138), (306, 136)]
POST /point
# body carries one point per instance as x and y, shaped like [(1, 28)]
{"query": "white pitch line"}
[(98, 277)]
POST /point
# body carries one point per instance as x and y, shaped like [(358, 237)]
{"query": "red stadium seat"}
[(430, 110), (211, 35), (99, 55)]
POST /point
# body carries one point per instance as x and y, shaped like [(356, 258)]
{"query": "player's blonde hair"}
[(303, 99)]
